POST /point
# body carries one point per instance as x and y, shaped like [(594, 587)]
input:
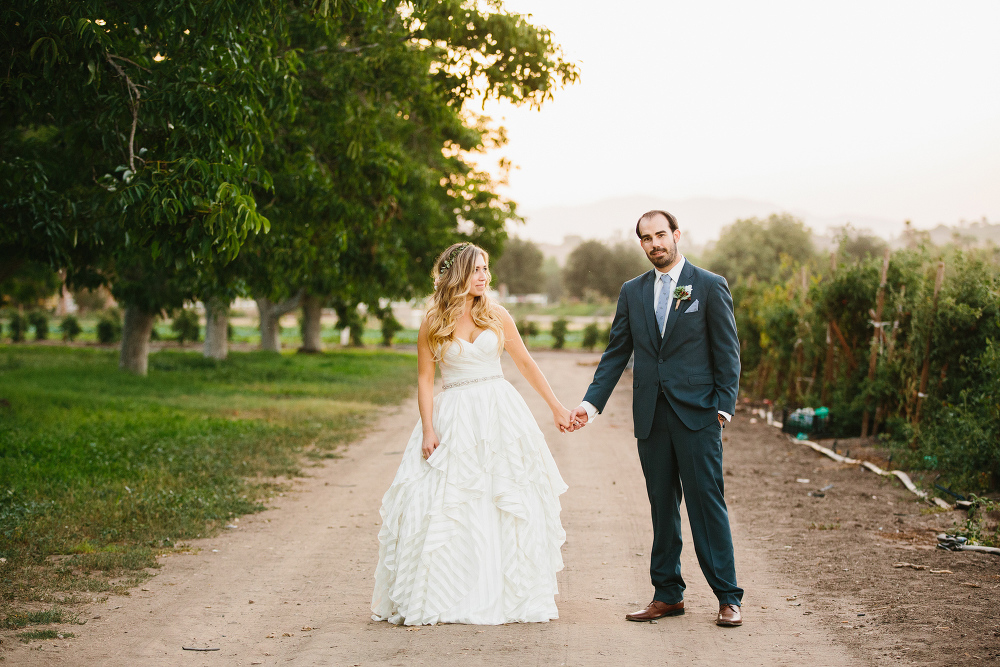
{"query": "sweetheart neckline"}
[(473, 342)]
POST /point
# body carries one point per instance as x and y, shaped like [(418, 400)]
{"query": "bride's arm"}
[(425, 390), (529, 369)]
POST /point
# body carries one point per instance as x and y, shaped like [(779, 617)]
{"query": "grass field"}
[(100, 471)]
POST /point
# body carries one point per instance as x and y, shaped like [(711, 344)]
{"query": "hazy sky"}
[(887, 109)]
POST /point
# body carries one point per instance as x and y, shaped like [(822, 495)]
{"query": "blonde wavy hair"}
[(452, 277)]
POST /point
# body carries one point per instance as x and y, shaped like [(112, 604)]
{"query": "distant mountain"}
[(701, 219)]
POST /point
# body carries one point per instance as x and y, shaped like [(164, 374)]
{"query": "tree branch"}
[(135, 96), (130, 62)]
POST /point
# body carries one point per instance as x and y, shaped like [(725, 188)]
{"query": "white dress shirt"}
[(675, 276)]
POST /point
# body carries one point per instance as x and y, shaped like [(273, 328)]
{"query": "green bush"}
[(109, 327), (390, 327), (39, 321), (18, 327), (590, 335), (527, 328), (786, 352), (605, 336), (559, 328), (70, 327), (185, 325)]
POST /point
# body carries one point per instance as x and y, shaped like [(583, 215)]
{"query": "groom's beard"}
[(665, 258)]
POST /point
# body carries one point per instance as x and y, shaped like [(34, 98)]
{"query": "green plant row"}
[(933, 393)]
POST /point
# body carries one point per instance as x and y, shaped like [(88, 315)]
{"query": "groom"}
[(678, 320)]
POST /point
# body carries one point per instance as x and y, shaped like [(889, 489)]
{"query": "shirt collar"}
[(674, 273)]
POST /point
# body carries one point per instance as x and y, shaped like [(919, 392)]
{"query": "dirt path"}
[(307, 564)]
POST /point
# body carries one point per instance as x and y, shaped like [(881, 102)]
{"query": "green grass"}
[(100, 470), (43, 634), (22, 619)]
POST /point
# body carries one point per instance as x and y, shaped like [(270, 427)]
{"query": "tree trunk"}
[(270, 313), (312, 311), (216, 329), (138, 325)]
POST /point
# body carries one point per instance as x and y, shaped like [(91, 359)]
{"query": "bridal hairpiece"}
[(446, 264)]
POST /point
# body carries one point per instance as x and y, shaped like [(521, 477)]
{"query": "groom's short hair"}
[(649, 214)]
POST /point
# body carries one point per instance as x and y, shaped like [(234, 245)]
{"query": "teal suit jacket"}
[(696, 363)]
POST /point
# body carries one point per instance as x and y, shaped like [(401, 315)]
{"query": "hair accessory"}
[(446, 264)]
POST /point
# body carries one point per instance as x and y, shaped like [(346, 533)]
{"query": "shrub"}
[(70, 328), (185, 325), (18, 327), (390, 327), (605, 336), (109, 327), (39, 321), (230, 331), (590, 335), (559, 333), (527, 328)]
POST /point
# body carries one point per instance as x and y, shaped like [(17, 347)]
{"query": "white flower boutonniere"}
[(681, 293)]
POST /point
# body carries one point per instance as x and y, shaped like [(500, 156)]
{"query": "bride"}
[(470, 525)]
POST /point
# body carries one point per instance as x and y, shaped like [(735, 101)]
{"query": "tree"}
[(131, 135), (373, 178), (855, 245), (764, 249), (28, 285), (519, 267), (596, 266)]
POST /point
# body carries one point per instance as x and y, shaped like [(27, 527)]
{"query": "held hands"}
[(430, 444), (578, 418), (561, 417)]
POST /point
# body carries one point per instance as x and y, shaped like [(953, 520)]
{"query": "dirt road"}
[(292, 585)]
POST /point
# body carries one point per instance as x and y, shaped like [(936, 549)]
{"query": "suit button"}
[(661, 361)]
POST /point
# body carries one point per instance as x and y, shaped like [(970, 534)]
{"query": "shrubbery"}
[(559, 328), (39, 321), (185, 324), (390, 327), (70, 327), (590, 335), (109, 327), (808, 341)]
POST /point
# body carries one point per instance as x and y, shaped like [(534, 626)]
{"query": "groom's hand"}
[(577, 418)]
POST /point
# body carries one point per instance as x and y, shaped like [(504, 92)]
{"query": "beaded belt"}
[(452, 385)]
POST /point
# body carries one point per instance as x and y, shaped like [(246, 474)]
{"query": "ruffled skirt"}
[(472, 535)]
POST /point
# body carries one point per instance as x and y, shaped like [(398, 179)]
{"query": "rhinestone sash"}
[(452, 385)]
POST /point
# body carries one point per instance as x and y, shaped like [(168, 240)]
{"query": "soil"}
[(292, 585)]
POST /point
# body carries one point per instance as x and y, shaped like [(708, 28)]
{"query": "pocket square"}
[(693, 308)]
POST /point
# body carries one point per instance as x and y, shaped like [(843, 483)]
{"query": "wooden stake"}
[(922, 390), (828, 364), (877, 323)]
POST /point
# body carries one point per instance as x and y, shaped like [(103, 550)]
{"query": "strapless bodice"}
[(468, 363)]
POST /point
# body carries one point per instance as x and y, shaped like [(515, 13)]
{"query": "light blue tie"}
[(661, 304)]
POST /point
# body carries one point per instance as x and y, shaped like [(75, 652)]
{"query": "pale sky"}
[(884, 109)]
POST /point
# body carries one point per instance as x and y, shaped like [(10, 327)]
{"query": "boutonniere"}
[(681, 293)]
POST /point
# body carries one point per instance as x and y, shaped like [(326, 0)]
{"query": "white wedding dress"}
[(472, 534)]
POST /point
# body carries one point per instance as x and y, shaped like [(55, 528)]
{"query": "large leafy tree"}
[(130, 140), (372, 178), (520, 267), (764, 249)]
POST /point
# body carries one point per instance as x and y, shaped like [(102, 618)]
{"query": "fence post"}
[(877, 324), (828, 364), (922, 391)]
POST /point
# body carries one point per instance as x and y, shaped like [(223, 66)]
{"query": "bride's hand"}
[(562, 418), (430, 444)]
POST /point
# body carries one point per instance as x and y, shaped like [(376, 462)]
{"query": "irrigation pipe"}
[(902, 476)]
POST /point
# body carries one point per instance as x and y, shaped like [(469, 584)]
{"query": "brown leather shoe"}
[(729, 616), (655, 610)]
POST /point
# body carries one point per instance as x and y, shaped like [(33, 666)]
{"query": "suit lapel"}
[(687, 278), (648, 306)]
